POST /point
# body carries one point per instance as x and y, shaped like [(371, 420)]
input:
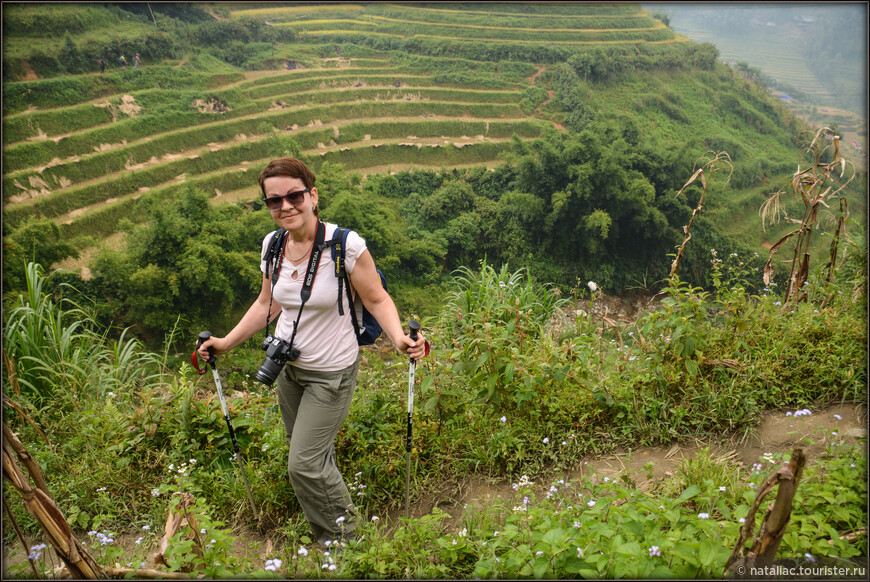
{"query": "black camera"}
[(278, 353)]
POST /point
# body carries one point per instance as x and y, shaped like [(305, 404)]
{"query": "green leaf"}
[(705, 553), (634, 527), (541, 567), (630, 549), (690, 492), (553, 536), (83, 519)]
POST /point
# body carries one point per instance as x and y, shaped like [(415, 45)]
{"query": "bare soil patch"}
[(211, 105)]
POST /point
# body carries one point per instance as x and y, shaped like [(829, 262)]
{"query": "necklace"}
[(303, 254)]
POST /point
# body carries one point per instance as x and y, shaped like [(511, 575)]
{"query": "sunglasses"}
[(294, 198)]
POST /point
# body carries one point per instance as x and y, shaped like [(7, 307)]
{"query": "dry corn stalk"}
[(711, 165), (40, 505), (776, 518), (811, 185), (175, 521)]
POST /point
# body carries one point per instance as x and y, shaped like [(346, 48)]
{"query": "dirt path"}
[(779, 432)]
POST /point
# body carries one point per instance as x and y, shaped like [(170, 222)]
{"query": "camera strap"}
[(313, 261)]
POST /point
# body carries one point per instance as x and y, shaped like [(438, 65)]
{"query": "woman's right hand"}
[(218, 346)]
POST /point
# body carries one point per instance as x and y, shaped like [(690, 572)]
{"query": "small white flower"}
[(722, 489), (810, 557), (332, 567), (340, 519), (579, 552), (302, 551), (146, 527), (546, 440), (503, 419), (742, 520), (703, 515), (838, 417), (592, 286), (101, 489), (590, 503), (139, 541), (375, 518), (539, 553), (155, 492), (654, 551)]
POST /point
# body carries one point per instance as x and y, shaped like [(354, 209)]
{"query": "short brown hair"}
[(290, 167)]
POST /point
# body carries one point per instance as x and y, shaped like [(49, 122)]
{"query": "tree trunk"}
[(766, 543)]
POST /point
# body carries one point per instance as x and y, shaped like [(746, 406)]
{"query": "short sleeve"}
[(355, 247), (263, 252)]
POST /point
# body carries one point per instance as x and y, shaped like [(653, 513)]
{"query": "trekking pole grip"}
[(203, 336), (414, 326)]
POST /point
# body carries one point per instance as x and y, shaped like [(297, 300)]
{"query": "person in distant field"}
[(316, 389), (102, 63), (136, 61), (123, 62)]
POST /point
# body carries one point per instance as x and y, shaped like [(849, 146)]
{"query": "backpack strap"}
[(274, 255), (339, 251)]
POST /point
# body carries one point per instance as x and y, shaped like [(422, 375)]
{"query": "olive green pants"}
[(313, 406)]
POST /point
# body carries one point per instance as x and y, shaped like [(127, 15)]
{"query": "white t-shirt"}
[(326, 340)]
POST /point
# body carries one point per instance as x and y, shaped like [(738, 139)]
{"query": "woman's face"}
[(288, 216)]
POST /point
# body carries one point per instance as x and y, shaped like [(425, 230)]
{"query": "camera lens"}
[(268, 371)]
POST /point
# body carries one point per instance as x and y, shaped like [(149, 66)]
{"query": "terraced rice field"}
[(86, 165)]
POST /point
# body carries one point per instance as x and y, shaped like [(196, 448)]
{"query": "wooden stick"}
[(20, 537), (149, 573)]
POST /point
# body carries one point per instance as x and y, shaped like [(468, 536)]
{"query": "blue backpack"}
[(365, 325)]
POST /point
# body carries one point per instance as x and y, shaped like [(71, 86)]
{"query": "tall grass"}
[(59, 356)]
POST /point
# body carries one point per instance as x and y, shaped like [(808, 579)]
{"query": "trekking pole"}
[(415, 327), (203, 336)]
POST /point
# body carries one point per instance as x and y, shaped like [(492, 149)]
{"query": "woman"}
[(315, 390)]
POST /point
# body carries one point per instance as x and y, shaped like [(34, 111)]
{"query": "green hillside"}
[(388, 89)]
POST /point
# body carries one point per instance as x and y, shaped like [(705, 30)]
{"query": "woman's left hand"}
[(415, 349)]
